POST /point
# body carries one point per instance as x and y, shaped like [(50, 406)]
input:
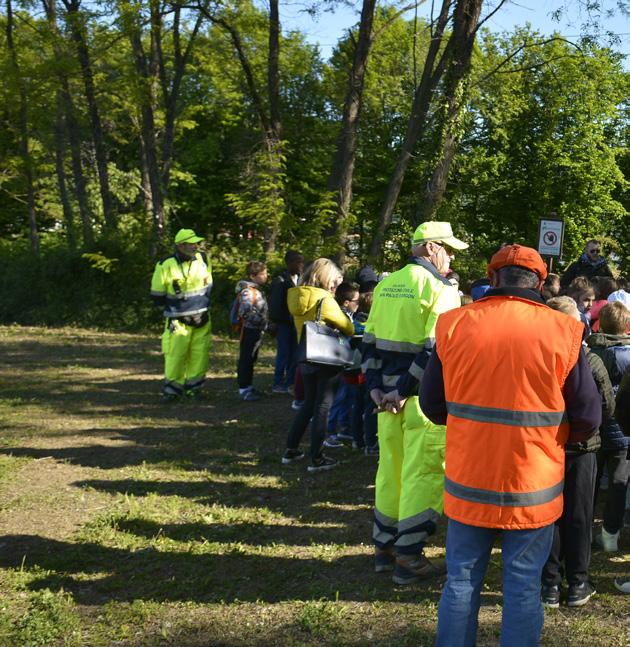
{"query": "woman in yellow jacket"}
[(318, 283)]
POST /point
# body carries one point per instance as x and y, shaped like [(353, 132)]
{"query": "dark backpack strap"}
[(318, 311)]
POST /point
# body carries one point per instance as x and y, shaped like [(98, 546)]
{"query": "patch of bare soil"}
[(42, 498)]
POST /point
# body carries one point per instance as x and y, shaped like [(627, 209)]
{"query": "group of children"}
[(608, 355), (601, 303), (351, 418)]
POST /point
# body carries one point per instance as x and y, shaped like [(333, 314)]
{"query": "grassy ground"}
[(128, 522)]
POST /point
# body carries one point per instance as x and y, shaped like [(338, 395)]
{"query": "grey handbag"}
[(324, 345)]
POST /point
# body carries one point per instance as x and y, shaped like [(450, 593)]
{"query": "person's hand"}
[(377, 397), (393, 402)]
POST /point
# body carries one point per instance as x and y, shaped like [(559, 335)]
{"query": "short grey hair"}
[(517, 277)]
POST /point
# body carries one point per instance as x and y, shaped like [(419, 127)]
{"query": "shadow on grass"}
[(157, 575), (250, 534), (317, 501)]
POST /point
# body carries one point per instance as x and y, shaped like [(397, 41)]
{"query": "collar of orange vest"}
[(521, 293)]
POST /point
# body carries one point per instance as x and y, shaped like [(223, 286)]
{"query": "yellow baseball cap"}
[(438, 232), (187, 236)]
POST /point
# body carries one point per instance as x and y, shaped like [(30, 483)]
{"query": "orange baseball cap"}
[(520, 256)]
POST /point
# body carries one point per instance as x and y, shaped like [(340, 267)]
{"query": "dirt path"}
[(41, 499)]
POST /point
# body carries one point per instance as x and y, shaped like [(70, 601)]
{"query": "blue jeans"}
[(339, 415), (284, 371), (467, 555)]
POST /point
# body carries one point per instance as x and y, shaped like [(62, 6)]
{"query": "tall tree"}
[(465, 27), (270, 164), (543, 131), (70, 124), (434, 65), (76, 20), (456, 53), (61, 176), (154, 80), (340, 179), (147, 70), (25, 154)]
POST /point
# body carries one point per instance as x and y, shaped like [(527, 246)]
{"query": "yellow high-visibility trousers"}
[(409, 480), (186, 356)]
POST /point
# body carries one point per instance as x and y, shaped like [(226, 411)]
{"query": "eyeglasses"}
[(449, 250), (595, 251)]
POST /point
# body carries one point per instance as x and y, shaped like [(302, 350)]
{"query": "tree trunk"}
[(74, 135), (23, 127), (273, 71), (149, 148), (340, 179), (61, 177), (75, 20), (72, 127), (144, 179), (273, 135), (270, 123), (466, 22), (431, 74), (171, 95)]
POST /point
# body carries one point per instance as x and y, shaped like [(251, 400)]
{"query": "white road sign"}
[(550, 237)]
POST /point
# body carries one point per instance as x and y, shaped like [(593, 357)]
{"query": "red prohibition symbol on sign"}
[(550, 238)]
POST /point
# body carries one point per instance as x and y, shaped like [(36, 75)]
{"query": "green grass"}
[(127, 522)]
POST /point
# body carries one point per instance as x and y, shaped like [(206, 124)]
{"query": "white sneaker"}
[(623, 584), (609, 541)]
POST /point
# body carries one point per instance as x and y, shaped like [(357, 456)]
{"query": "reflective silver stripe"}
[(429, 344), (390, 380), (412, 538), (507, 416), (383, 536), (385, 520), (416, 371), (368, 338), (422, 517), (187, 313), (157, 293), (398, 346), (503, 499), (371, 364), (194, 293)]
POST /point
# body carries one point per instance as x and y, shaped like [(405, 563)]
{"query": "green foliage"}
[(320, 616), (543, 127), (104, 290), (261, 203), (100, 262), (540, 139), (51, 616)]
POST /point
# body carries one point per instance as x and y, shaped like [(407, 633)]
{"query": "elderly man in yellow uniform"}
[(399, 338), (181, 285)]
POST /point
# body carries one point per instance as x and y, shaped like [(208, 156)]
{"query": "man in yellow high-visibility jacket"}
[(181, 285), (398, 340)]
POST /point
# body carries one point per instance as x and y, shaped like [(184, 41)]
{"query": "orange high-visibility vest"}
[(505, 361)]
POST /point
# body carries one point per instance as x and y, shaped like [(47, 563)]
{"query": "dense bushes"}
[(108, 289)]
